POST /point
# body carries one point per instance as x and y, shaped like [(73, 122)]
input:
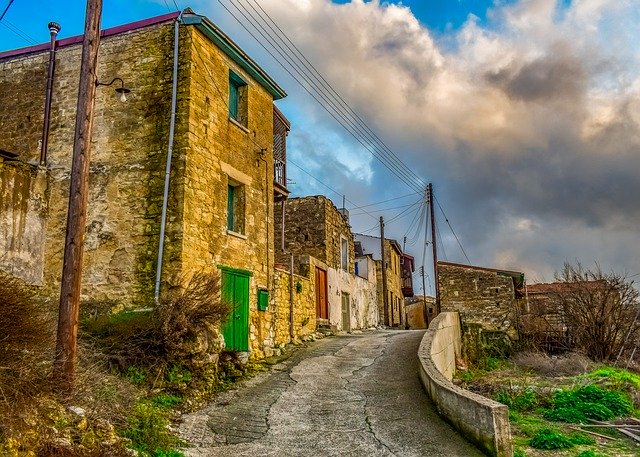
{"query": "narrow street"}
[(356, 395)]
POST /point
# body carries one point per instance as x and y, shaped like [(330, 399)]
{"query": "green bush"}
[(563, 414), (588, 402), (616, 377), (519, 453), (550, 439), (178, 375)]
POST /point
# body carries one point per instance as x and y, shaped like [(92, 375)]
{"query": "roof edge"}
[(229, 47), (103, 34)]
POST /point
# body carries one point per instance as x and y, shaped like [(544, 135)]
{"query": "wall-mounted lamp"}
[(123, 91)]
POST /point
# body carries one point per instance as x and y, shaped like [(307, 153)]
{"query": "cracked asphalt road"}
[(355, 395)]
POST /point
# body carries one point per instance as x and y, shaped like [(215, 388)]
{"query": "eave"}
[(226, 44)]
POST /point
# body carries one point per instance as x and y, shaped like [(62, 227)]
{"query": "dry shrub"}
[(27, 341), (190, 317), (569, 364)]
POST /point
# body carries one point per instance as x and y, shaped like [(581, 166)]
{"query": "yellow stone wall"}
[(220, 151), (304, 315)]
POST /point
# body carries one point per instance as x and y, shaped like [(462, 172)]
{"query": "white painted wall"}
[(363, 307)]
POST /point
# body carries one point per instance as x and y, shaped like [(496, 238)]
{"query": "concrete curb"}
[(483, 421)]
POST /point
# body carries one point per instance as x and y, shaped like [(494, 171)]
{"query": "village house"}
[(226, 174), (319, 237), (393, 315), (420, 311), (486, 298)]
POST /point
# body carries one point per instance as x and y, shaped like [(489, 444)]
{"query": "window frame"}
[(238, 93)]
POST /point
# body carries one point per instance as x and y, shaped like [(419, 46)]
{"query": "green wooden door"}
[(235, 290)]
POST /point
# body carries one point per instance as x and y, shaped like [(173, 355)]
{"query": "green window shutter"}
[(230, 201), (233, 99), (263, 300)]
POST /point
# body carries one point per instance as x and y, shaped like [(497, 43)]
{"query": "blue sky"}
[(525, 114), (23, 24)]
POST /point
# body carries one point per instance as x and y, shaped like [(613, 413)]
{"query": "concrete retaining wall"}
[(481, 420)]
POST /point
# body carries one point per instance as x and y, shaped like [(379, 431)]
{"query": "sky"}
[(525, 116)]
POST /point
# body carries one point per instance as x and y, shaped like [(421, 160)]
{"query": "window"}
[(235, 207), (344, 254), (237, 99)]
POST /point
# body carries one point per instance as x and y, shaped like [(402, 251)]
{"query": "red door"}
[(322, 308)]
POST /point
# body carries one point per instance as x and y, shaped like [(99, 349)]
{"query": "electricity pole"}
[(433, 246), (424, 298), (66, 343), (385, 300)]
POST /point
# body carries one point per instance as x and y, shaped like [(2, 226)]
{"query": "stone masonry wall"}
[(127, 158), (482, 297), (220, 152), (315, 227), (23, 215), (304, 315)]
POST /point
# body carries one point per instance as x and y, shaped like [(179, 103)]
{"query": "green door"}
[(235, 290)]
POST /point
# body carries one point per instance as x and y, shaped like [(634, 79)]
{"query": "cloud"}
[(528, 122)]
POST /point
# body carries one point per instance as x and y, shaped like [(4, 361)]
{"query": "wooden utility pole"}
[(66, 343), (433, 246), (424, 298), (385, 300)]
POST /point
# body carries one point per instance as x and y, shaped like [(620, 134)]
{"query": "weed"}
[(166, 400), (522, 400), (580, 438), (147, 430), (550, 439), (589, 453), (135, 375), (178, 375), (519, 453)]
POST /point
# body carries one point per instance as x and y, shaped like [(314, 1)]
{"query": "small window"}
[(344, 254), (263, 300), (235, 208), (237, 99)]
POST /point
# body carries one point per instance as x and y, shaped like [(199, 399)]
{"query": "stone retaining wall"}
[(481, 420)]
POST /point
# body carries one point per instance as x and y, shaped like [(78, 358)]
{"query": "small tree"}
[(600, 309)]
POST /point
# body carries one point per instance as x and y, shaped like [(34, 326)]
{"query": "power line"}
[(325, 185), (5, 10), (452, 231), (355, 128), (384, 201), (18, 32), (384, 209), (324, 83)]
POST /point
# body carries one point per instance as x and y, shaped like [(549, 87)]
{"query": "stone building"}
[(224, 175), (370, 245), (320, 239), (484, 297), (419, 310)]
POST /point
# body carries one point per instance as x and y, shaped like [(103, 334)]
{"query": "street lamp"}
[(123, 91)]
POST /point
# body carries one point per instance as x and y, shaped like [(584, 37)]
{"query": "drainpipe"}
[(54, 28), (292, 332), (167, 174)]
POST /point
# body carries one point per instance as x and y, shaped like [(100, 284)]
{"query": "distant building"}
[(487, 297), (319, 236), (371, 246)]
